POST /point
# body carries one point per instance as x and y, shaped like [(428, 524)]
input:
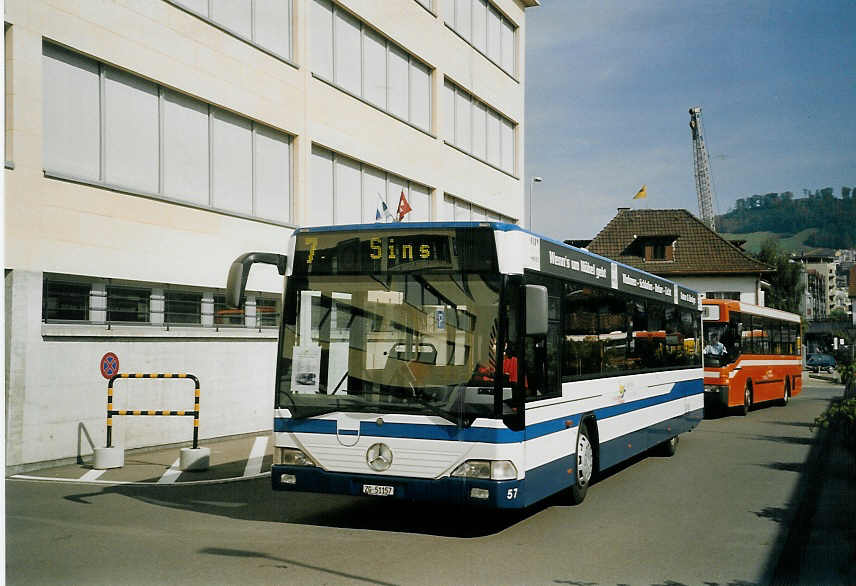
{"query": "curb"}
[(787, 569)]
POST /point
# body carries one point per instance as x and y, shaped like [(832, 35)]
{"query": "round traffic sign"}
[(109, 365)]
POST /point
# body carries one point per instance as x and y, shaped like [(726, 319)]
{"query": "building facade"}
[(150, 142), (822, 263)]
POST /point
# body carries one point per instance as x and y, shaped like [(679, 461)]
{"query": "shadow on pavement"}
[(254, 500), (284, 563), (784, 439)]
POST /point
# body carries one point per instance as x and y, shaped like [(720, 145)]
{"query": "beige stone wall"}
[(66, 227), (55, 225)]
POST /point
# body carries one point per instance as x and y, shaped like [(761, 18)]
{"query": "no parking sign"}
[(109, 365)]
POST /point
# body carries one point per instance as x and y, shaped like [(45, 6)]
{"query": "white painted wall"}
[(749, 287), (57, 399)]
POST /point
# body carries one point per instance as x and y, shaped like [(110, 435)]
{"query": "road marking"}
[(172, 474), (92, 475), (257, 454), (140, 483)]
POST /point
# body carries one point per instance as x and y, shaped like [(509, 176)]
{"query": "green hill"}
[(787, 242), (818, 221)]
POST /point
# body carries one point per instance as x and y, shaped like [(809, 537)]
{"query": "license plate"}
[(377, 490)]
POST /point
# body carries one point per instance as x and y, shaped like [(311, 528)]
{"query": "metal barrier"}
[(185, 413)]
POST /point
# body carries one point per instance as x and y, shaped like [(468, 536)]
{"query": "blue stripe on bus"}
[(405, 430), (680, 390), (408, 226), (481, 434), (491, 435)]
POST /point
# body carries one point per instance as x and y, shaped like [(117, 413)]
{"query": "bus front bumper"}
[(716, 394), (506, 494)]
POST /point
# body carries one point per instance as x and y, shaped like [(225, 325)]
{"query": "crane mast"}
[(701, 169)]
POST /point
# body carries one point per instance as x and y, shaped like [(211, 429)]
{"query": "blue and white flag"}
[(382, 214)]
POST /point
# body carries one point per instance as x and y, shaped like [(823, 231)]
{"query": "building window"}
[(478, 129), (454, 209), (112, 128), (349, 54), (480, 24), (346, 191), (127, 304), (267, 311), (183, 307), (64, 300), (93, 300), (735, 295), (265, 23), (654, 248), (658, 251), (8, 95), (225, 315)]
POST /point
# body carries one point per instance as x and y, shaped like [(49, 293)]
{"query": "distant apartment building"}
[(833, 288), (851, 290), (150, 142), (813, 305)]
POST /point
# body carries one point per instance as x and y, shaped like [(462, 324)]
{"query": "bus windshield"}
[(418, 341)]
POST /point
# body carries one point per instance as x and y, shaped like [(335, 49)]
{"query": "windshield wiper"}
[(339, 384), (311, 410)]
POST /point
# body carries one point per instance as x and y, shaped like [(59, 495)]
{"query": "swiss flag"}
[(403, 206)]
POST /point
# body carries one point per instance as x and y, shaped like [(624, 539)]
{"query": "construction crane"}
[(701, 169)]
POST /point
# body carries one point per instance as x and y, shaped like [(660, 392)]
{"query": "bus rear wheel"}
[(787, 397), (584, 468), (747, 399)]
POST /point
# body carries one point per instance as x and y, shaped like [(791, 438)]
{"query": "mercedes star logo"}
[(379, 457)]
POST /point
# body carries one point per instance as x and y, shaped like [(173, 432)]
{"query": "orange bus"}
[(751, 354)]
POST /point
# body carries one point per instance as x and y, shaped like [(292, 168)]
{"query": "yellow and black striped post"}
[(186, 413)]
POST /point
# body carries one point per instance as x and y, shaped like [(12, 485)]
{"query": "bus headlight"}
[(487, 469), (715, 388), (294, 457)]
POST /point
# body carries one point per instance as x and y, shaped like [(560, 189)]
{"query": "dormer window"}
[(653, 248), (659, 251)]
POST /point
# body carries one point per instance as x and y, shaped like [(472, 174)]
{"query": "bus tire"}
[(583, 466), (668, 448), (787, 396), (747, 399)]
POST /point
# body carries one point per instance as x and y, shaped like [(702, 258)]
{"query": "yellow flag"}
[(642, 194)]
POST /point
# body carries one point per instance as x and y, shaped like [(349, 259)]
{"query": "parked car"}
[(818, 362)]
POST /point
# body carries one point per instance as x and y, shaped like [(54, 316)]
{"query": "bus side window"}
[(735, 332)]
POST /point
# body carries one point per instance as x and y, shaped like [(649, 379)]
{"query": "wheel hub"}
[(585, 460)]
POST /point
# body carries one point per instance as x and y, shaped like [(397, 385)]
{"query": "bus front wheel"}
[(584, 468)]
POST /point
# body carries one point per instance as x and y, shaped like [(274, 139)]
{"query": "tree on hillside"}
[(786, 287), (834, 219)]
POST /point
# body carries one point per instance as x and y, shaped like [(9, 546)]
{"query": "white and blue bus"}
[(471, 363)]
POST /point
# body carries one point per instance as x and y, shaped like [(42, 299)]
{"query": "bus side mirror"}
[(236, 282), (536, 310)]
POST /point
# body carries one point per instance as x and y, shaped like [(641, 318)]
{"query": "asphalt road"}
[(716, 513)]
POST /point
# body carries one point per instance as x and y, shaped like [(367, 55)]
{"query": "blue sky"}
[(609, 84)]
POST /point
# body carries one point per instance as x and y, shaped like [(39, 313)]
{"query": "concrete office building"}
[(150, 142)]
